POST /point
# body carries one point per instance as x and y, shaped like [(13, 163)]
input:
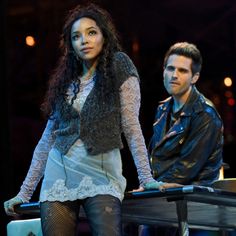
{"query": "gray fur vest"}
[(99, 123)]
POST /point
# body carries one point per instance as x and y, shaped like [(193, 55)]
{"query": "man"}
[(186, 146), (187, 142)]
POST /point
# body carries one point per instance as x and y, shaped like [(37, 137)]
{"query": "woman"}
[(92, 97)]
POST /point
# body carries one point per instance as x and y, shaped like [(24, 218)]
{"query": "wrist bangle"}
[(153, 185)]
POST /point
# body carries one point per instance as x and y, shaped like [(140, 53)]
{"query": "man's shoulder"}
[(206, 106)]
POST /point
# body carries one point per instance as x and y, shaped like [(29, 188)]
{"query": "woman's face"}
[(87, 39)]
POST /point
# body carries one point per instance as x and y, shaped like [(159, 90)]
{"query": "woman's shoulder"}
[(122, 57), (123, 63)]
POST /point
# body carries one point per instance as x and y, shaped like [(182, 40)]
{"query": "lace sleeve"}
[(38, 163), (130, 105)]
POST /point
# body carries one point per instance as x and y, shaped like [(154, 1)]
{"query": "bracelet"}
[(153, 185)]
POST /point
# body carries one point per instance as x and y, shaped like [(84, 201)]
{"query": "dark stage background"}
[(147, 29)]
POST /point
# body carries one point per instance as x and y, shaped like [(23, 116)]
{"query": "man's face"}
[(178, 77)]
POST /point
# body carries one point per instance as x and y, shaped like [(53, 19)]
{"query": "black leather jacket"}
[(189, 152)]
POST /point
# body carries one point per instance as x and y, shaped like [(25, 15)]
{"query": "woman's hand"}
[(157, 185), (10, 204)]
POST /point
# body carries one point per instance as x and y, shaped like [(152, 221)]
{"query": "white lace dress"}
[(78, 175)]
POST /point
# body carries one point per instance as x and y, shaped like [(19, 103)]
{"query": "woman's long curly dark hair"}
[(69, 68)]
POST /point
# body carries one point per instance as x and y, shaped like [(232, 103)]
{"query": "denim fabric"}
[(104, 215)]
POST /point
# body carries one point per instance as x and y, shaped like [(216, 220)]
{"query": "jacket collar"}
[(193, 104)]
